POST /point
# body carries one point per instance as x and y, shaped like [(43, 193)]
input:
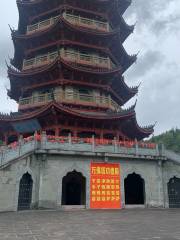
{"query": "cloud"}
[(156, 37), (146, 63), (149, 13), (166, 25)]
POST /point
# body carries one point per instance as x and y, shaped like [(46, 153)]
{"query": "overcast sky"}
[(156, 38)]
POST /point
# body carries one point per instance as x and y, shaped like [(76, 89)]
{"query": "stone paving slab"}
[(91, 225)]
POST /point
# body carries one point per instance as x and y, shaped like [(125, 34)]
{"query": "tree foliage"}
[(171, 139)]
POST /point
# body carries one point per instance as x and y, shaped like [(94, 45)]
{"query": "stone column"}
[(160, 185), (43, 140)]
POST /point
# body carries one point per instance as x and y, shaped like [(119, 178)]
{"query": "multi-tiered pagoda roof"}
[(67, 71)]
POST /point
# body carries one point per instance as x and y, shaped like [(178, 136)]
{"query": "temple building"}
[(72, 141), (67, 72)]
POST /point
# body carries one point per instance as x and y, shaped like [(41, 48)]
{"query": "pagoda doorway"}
[(134, 187), (174, 192), (74, 189), (25, 192)]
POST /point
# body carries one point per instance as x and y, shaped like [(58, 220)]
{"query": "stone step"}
[(133, 206), (73, 207)]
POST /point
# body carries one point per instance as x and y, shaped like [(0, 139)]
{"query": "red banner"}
[(105, 186)]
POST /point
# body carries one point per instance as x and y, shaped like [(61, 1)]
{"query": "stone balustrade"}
[(74, 19), (69, 145)]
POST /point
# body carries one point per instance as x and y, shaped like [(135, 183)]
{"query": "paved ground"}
[(91, 225)]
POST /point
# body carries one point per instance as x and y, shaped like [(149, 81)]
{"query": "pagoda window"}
[(66, 132), (109, 136), (86, 134), (85, 95), (44, 91), (25, 95), (84, 91), (50, 132)]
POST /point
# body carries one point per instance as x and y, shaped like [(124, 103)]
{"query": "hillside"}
[(171, 139)]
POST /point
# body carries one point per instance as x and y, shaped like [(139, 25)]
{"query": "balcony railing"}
[(39, 61), (68, 97), (75, 20), (70, 56), (87, 22), (42, 25), (53, 145)]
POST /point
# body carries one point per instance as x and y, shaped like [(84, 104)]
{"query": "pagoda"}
[(67, 71)]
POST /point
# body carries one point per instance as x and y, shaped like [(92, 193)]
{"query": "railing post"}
[(93, 144), (70, 139), (36, 144), (20, 142), (157, 150), (2, 153), (161, 149), (115, 145), (43, 140), (137, 147), (108, 27)]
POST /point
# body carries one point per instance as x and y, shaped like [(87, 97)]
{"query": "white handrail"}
[(74, 19), (27, 146), (60, 96), (72, 56)]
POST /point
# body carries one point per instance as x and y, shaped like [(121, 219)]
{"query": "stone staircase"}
[(170, 155)]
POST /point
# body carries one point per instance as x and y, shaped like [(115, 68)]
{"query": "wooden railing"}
[(42, 25), (70, 56), (68, 97), (75, 20), (39, 60), (87, 22)]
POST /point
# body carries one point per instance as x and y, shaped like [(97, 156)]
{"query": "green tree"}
[(171, 139)]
